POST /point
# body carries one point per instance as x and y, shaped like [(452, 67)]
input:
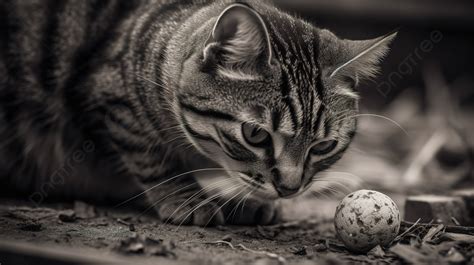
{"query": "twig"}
[(221, 242), (123, 222), (266, 253), (400, 237), (258, 252), (469, 230)]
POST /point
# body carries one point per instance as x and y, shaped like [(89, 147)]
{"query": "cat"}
[(212, 110)]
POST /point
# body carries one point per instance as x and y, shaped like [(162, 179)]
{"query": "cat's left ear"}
[(239, 44), (362, 58)]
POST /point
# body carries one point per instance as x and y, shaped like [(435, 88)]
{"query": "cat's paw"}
[(253, 212), (180, 212)]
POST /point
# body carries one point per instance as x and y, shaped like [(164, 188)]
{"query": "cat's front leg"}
[(183, 201), (209, 198), (236, 200), (253, 211)]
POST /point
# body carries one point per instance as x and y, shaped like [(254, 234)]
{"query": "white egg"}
[(365, 219)]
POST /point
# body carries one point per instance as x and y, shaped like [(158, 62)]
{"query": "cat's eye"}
[(255, 135), (323, 147)]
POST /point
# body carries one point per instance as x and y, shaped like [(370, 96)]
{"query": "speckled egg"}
[(365, 219)]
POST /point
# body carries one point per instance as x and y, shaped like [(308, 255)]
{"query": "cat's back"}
[(45, 38), (47, 48)]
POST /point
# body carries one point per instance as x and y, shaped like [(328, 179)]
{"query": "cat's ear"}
[(239, 45), (362, 58)]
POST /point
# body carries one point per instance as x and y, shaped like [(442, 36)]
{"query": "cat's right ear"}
[(239, 44)]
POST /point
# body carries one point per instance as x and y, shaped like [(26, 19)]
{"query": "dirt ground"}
[(83, 234), (104, 235)]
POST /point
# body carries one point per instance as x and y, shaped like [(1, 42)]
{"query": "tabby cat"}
[(209, 109)]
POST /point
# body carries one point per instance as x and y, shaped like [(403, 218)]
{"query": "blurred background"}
[(417, 118)]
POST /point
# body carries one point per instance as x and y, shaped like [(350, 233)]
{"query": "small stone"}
[(140, 244), (320, 247), (300, 251), (67, 216), (437, 209), (137, 247)]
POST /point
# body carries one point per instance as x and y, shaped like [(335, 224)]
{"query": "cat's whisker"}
[(336, 184), (330, 193), (252, 189), (245, 201), (214, 185), (251, 183), (168, 180), (168, 128), (166, 197), (152, 146), (236, 207), (319, 194), (334, 188), (206, 201), (156, 141), (351, 177), (176, 138), (184, 145), (221, 206), (356, 150), (385, 118), (151, 81)]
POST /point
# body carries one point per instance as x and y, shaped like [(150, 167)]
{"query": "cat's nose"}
[(285, 192), (285, 185)]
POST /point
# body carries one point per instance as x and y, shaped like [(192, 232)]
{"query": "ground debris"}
[(286, 232), (432, 244), (31, 226), (131, 226), (376, 252), (267, 233), (461, 238), (299, 250), (28, 213), (67, 216), (227, 238), (139, 244), (448, 228), (320, 247), (432, 233), (84, 210), (414, 256), (454, 256)]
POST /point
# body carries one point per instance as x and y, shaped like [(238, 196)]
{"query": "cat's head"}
[(272, 98)]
